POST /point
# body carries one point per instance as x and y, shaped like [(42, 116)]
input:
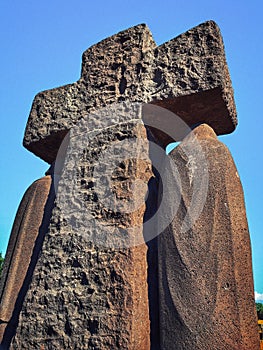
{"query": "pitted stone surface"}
[(112, 70), (187, 75), (193, 80), (88, 295), (25, 231), (205, 273), (88, 292)]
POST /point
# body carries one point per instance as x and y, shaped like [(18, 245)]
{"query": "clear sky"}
[(41, 47)]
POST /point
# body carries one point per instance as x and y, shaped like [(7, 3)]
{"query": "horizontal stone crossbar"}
[(187, 75)]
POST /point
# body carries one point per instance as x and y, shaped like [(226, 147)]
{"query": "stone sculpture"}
[(31, 222), (95, 283), (187, 75), (206, 285)]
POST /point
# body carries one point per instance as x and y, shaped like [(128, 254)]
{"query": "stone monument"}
[(141, 250)]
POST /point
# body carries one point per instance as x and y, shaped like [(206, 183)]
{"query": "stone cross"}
[(187, 75), (96, 293)]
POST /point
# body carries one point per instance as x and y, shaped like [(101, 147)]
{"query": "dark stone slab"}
[(205, 270)]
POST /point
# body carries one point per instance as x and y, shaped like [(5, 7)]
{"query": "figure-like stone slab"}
[(28, 225), (205, 269)]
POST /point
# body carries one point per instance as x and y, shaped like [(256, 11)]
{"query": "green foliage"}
[(259, 308), (1, 263)]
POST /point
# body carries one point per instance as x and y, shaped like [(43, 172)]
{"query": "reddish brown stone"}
[(95, 294), (26, 228), (90, 283), (205, 271)]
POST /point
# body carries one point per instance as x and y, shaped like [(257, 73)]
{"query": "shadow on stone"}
[(152, 267)]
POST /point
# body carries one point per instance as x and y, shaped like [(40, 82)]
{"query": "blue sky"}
[(41, 47)]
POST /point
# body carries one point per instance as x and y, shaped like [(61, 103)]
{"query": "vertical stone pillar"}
[(90, 284), (205, 273)]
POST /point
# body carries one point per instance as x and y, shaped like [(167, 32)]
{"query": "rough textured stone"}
[(192, 79), (91, 288), (187, 75), (28, 227), (205, 273), (112, 71), (88, 291)]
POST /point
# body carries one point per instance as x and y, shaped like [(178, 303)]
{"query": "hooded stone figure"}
[(205, 266)]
